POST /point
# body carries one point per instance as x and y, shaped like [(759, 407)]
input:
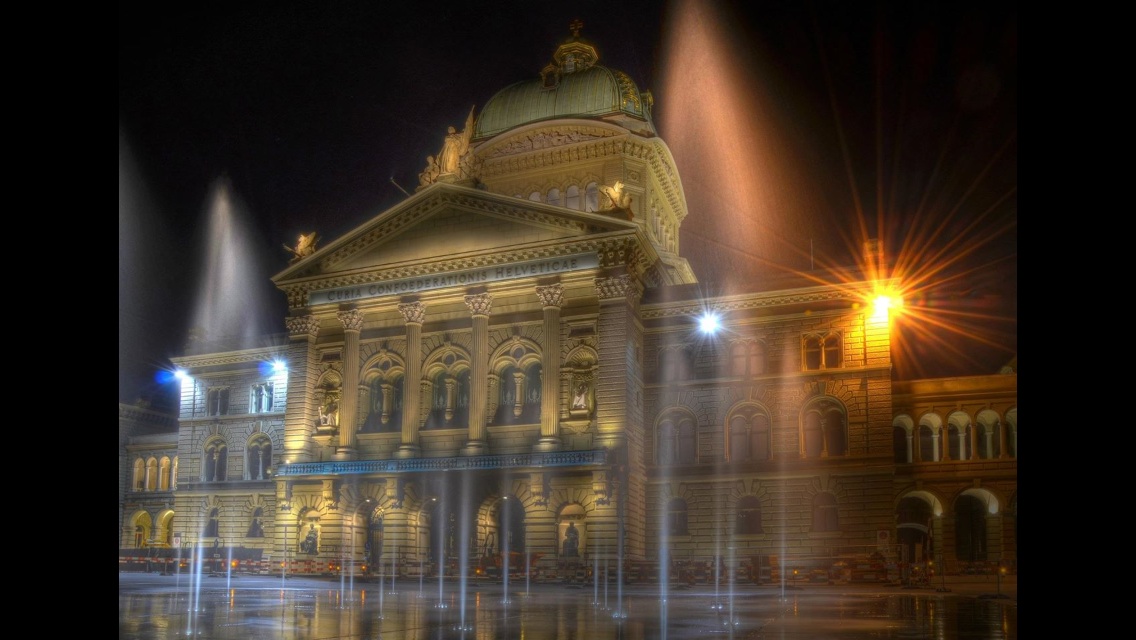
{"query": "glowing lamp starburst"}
[(709, 323)]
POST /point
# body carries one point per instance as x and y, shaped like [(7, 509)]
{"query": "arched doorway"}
[(970, 529), (511, 526), (914, 532)]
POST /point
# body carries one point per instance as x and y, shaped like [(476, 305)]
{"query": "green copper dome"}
[(572, 86)]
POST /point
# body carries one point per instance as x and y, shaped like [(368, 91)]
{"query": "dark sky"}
[(895, 120)]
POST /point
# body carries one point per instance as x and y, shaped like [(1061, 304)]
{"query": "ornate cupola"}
[(574, 54)]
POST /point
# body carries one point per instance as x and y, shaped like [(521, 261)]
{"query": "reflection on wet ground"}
[(155, 607)]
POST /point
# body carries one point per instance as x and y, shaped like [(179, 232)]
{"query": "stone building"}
[(516, 350)]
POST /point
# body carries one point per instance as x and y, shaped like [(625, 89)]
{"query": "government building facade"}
[(510, 365)]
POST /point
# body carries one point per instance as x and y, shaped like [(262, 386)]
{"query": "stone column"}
[(413, 313), (619, 380), (299, 417), (352, 320), (551, 299), (479, 307), (1003, 450)]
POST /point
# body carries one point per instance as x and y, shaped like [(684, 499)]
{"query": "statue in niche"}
[(310, 544), (571, 547), (305, 246), (580, 400), (329, 410)]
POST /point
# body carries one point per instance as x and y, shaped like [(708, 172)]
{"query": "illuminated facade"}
[(514, 351)]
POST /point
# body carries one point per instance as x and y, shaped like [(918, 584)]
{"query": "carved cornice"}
[(739, 303), (551, 157), (551, 295), (352, 319), (479, 304), (527, 141), (662, 166), (412, 312), (131, 412), (227, 358), (613, 250), (621, 286), (302, 326)]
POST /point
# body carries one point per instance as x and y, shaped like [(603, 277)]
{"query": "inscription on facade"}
[(456, 279)]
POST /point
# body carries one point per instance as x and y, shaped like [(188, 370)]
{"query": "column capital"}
[(479, 304), (302, 326), (621, 286), (551, 295), (352, 319), (412, 312)]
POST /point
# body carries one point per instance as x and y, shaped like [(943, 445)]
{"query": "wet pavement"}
[(160, 607)]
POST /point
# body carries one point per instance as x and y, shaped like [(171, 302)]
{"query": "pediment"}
[(447, 221)]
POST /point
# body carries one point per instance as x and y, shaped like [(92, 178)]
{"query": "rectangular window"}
[(217, 401), (261, 398)]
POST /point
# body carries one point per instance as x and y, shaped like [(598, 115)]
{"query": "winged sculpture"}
[(619, 198), (305, 246)]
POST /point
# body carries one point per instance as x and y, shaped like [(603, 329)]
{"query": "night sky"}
[(843, 120)]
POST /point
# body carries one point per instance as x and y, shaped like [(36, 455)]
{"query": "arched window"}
[(139, 481), (956, 444), (533, 389), (554, 196), (215, 464), (835, 433), (665, 445), (748, 437), (676, 517), (739, 439), (535, 196), (259, 457), (573, 197), (384, 408), (212, 524), (508, 392), (152, 474), (256, 526), (687, 441), (926, 443), (899, 445), (592, 197), (814, 437), (164, 474), (826, 517), (749, 516)]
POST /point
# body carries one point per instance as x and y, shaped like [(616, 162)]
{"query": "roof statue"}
[(455, 158), (620, 199), (305, 246)]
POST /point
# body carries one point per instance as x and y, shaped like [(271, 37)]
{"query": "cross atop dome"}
[(575, 27)]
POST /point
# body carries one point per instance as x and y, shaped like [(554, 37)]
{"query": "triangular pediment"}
[(446, 222)]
